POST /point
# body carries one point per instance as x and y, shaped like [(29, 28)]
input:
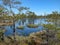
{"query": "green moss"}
[(20, 27), (32, 25)]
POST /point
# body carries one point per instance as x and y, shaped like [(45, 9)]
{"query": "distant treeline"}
[(32, 15), (53, 15)]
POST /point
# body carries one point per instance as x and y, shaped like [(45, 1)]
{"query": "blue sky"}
[(42, 6)]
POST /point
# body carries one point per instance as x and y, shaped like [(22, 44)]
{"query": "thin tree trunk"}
[(14, 31)]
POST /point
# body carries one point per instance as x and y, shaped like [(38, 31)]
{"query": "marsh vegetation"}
[(26, 28)]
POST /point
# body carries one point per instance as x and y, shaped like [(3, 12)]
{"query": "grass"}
[(2, 31), (49, 26), (32, 25), (58, 34), (32, 39), (20, 27)]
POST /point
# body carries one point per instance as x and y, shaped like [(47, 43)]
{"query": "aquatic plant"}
[(32, 25), (20, 27)]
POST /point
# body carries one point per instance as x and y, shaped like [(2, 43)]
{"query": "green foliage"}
[(1, 34), (20, 27), (2, 31), (22, 16), (54, 15), (49, 26), (31, 15), (58, 36), (58, 28), (1, 9), (32, 25)]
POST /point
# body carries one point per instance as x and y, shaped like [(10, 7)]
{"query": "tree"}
[(11, 4), (1, 10), (21, 9), (31, 16)]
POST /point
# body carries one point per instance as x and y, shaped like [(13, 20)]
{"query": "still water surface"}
[(26, 31)]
